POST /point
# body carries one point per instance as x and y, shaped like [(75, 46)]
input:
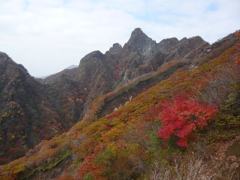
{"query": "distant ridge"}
[(71, 67)]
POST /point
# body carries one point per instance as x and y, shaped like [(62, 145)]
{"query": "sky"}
[(47, 36)]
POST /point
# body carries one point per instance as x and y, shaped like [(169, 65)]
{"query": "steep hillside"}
[(69, 99), (27, 113), (179, 121)]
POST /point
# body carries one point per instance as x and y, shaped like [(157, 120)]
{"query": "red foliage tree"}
[(89, 165), (182, 116), (108, 125)]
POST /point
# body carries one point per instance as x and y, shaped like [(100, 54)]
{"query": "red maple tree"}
[(182, 116)]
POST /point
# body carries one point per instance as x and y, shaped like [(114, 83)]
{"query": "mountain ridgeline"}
[(99, 120), (138, 56)]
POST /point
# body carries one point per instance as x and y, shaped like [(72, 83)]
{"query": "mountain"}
[(146, 110), (119, 65), (71, 67), (70, 71), (27, 112), (98, 73), (139, 55)]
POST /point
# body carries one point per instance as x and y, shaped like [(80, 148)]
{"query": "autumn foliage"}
[(89, 166), (237, 58), (182, 116), (125, 144)]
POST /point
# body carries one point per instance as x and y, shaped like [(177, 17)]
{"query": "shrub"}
[(182, 116)]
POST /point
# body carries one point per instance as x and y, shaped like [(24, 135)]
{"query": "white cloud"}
[(47, 36)]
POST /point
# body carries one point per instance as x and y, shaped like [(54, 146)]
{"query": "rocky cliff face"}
[(141, 43), (166, 44), (115, 49), (95, 73), (142, 55), (184, 47)]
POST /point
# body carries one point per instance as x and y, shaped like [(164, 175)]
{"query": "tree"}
[(182, 116)]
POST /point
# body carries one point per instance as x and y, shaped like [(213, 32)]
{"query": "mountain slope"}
[(27, 113), (124, 144)]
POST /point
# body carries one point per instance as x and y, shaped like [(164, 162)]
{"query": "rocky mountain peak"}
[(4, 58), (166, 44), (138, 37), (197, 39), (141, 42), (116, 48), (8, 65), (138, 32), (184, 47), (92, 55)]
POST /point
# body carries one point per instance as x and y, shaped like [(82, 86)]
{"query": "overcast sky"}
[(46, 36)]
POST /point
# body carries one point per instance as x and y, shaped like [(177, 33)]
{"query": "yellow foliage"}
[(115, 133), (6, 175), (113, 147), (115, 121), (19, 168)]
